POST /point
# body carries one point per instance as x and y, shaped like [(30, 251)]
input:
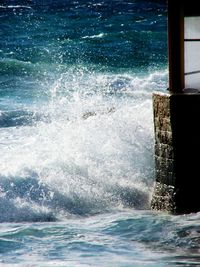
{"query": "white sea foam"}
[(100, 35), (15, 6), (95, 152)]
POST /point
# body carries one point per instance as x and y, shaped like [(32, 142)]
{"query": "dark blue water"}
[(76, 136)]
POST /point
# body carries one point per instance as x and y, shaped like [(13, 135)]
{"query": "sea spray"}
[(93, 153), (76, 136)]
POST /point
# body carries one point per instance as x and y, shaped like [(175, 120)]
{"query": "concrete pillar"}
[(177, 152)]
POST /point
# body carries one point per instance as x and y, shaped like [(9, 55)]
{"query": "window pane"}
[(192, 52), (192, 27), (192, 56)]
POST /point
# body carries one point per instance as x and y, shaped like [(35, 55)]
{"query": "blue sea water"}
[(76, 136)]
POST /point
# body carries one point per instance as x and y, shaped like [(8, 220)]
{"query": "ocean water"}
[(76, 136)]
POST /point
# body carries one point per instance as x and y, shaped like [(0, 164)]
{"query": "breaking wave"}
[(86, 150)]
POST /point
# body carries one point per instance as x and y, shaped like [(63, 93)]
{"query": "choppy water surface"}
[(76, 136)]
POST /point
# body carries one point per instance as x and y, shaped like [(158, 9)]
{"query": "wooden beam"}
[(176, 46)]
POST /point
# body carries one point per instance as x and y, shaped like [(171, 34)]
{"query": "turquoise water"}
[(76, 136)]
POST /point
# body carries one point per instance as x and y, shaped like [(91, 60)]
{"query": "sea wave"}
[(100, 35), (16, 118), (87, 149), (17, 67), (15, 6)]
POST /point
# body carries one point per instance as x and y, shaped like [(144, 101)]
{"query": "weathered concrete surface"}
[(177, 152)]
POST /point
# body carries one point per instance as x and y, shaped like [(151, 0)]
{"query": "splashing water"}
[(86, 151), (76, 136)]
